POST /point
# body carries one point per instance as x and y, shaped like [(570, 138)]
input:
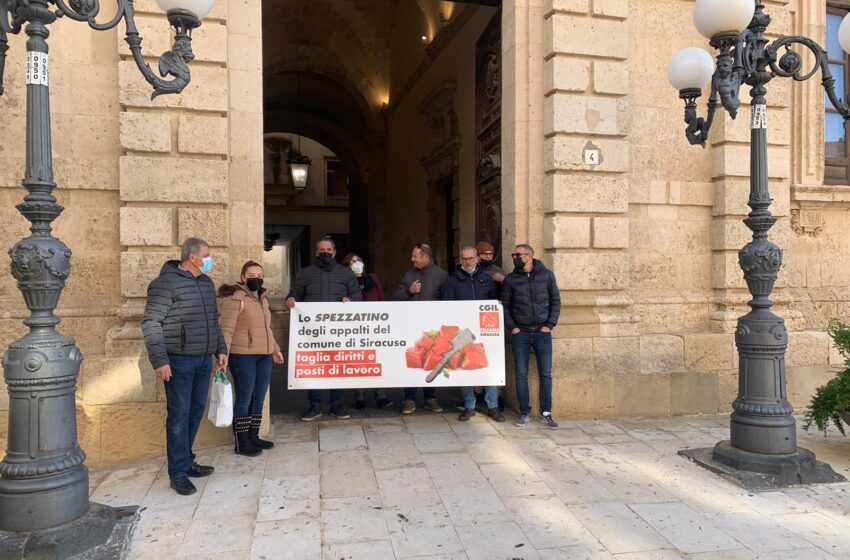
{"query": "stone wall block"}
[(117, 380), (567, 74), (173, 179), (611, 233), (734, 160), (616, 355), (618, 9), (561, 232), (246, 213), (710, 351), (145, 132), (202, 135), (694, 393), (139, 269), (610, 77), (572, 356), (807, 348), (569, 6), (725, 271), (587, 36), (566, 153), (661, 353), (590, 193), (150, 227), (592, 271), (210, 224), (578, 114), (208, 90)]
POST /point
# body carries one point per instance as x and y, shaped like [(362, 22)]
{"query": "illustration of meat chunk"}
[(425, 341), (431, 360), (448, 332), (415, 357), (456, 361), (474, 360)]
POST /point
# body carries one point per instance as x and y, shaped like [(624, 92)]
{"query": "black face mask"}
[(518, 263), (325, 258), (486, 263), (254, 284)]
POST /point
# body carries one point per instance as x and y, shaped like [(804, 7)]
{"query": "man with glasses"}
[(423, 282), (532, 304), (326, 280), (469, 282)]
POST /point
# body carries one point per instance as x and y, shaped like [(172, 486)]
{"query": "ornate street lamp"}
[(762, 450), (299, 168), (43, 479)]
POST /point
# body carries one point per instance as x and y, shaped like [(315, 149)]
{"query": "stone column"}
[(586, 223)]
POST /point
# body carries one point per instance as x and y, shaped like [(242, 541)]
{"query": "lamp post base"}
[(102, 534), (759, 471)]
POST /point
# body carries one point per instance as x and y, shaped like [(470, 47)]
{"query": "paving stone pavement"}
[(428, 487)]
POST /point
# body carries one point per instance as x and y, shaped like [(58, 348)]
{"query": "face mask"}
[(486, 263), (518, 262), (357, 267), (468, 270), (254, 284), (206, 266), (325, 258)]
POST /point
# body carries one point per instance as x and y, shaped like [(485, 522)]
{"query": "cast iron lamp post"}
[(43, 479), (762, 450)]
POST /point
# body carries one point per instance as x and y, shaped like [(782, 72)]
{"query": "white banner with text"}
[(396, 344)]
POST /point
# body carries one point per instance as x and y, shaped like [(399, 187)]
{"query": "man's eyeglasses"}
[(519, 255)]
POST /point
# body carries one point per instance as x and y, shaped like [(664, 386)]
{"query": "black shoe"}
[(384, 403), (199, 471), (243, 444), (360, 404), (339, 412), (312, 413), (183, 486), (256, 420)]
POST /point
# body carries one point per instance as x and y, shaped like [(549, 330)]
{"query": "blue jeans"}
[(186, 395), (315, 396), (251, 376), (541, 343), (491, 397), (427, 393)]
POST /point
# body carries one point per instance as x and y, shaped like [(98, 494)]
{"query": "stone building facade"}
[(644, 244)]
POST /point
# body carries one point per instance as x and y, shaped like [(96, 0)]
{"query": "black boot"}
[(256, 420), (241, 431)]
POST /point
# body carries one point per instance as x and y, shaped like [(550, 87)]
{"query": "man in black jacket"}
[(532, 304), (469, 282), (327, 280), (180, 326), (423, 282)]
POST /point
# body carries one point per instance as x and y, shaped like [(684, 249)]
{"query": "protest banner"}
[(396, 344)]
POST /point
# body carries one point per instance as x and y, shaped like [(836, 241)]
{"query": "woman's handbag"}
[(221, 401)]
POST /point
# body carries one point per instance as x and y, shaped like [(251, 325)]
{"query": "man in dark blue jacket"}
[(469, 282), (181, 331), (532, 305)]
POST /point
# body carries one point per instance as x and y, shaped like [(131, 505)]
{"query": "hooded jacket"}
[(531, 299), (246, 321), (465, 286), (181, 316)]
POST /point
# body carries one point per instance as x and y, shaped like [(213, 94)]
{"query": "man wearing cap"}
[(487, 262)]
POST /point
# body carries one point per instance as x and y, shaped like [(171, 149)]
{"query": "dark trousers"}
[(186, 394), (251, 376), (427, 393), (315, 396), (523, 343)]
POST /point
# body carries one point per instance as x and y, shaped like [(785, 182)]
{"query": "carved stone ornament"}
[(441, 122), (807, 222), (489, 166)]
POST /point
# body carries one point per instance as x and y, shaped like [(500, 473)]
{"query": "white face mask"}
[(469, 270), (357, 267)]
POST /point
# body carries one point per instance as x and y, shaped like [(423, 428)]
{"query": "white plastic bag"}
[(221, 401)]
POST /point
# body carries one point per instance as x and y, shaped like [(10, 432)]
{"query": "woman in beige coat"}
[(246, 325)]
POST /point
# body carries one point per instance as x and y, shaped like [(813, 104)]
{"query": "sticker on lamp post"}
[(759, 117), (592, 155), (36, 68)]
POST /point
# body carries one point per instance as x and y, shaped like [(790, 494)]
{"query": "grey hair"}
[(327, 238), (527, 247), (192, 246), (470, 248)]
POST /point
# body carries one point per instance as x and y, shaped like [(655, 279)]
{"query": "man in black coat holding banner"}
[(327, 280), (469, 282)]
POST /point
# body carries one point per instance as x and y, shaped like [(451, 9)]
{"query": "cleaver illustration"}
[(460, 340)]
